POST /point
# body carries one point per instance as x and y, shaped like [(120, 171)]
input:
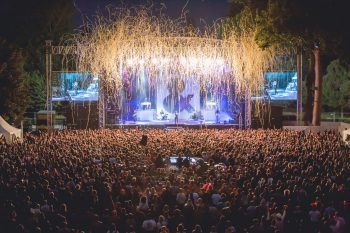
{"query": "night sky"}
[(207, 10)]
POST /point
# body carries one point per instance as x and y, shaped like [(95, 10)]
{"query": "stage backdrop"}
[(178, 96)]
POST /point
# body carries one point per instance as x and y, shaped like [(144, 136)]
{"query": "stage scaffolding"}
[(51, 50)]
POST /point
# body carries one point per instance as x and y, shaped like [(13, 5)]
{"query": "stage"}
[(170, 124)]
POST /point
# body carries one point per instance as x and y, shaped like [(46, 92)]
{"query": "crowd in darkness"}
[(106, 181)]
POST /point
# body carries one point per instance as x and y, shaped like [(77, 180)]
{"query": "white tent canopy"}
[(9, 132), (346, 136)]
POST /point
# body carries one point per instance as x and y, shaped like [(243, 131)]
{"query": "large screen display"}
[(281, 85), (75, 87)]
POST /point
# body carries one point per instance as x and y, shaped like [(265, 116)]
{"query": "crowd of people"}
[(106, 181)]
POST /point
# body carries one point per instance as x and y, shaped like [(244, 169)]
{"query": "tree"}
[(27, 24), (313, 26), (33, 22), (13, 83), (36, 92), (296, 23), (336, 89)]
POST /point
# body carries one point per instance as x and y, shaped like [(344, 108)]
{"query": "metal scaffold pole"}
[(247, 111), (300, 86), (101, 107), (48, 52)]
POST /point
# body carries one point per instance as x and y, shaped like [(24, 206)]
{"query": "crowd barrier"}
[(341, 127)]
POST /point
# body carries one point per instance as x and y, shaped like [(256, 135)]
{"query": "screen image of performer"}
[(274, 86)]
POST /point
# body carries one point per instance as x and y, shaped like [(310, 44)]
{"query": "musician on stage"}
[(176, 118), (217, 115)]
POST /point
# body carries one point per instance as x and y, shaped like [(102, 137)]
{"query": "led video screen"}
[(281, 85), (75, 87)]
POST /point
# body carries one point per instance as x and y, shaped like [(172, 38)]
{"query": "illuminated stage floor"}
[(171, 123)]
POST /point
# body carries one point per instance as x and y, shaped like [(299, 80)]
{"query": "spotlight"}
[(130, 62), (155, 61), (183, 61), (193, 61), (164, 60), (207, 62), (220, 61)]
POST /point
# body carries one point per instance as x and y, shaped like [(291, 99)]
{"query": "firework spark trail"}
[(133, 39)]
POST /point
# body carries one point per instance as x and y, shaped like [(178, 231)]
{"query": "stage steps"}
[(174, 128)]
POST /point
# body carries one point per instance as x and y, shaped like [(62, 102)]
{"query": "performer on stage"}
[(217, 115), (176, 118)]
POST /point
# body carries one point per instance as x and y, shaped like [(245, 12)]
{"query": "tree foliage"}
[(336, 89), (300, 22), (33, 22), (314, 26), (36, 92), (13, 83), (27, 24)]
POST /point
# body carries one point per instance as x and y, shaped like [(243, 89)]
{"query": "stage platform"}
[(165, 124)]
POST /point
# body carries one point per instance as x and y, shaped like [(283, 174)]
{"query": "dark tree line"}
[(25, 25), (13, 83), (313, 27)]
